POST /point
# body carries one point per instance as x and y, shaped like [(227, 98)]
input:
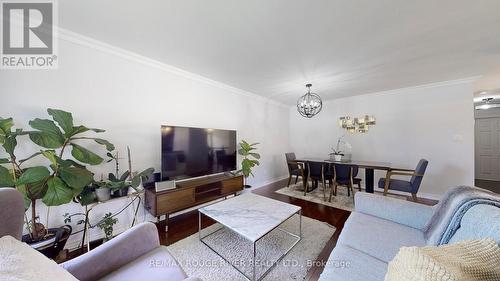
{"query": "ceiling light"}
[(309, 104)]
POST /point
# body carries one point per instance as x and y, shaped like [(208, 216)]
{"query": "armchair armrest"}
[(399, 211), (115, 253)]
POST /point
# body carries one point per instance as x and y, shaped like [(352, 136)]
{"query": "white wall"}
[(435, 122), (130, 97)]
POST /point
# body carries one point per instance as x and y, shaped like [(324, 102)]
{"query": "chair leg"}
[(331, 193), (289, 180), (296, 178), (387, 182), (348, 190), (359, 186), (414, 196), (324, 189)]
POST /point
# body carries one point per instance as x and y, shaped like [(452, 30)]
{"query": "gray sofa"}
[(133, 255), (380, 225)]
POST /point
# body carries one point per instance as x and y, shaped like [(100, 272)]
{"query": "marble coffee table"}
[(252, 217)]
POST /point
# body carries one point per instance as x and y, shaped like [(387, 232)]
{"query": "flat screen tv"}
[(193, 152)]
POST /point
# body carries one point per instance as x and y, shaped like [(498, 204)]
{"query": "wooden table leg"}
[(369, 178)]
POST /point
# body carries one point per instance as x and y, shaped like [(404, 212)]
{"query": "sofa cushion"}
[(480, 221), (20, 262), (346, 263), (155, 265), (378, 237)]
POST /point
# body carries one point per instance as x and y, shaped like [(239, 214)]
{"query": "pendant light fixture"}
[(309, 104)]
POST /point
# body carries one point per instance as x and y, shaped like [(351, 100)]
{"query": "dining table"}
[(368, 166)]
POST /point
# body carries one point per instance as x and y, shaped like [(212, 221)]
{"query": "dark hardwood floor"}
[(487, 184)]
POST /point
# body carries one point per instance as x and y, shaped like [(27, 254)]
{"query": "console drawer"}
[(172, 201), (232, 185)]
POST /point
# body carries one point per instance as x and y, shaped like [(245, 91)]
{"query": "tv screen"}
[(192, 152)]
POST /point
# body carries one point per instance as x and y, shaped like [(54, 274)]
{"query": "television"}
[(192, 152)]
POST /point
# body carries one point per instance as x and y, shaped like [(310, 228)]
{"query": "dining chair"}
[(295, 168), (410, 186), (344, 175), (317, 174)]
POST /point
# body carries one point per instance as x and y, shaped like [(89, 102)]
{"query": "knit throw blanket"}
[(450, 210), (464, 261)]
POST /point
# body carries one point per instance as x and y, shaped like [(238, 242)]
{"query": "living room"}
[(358, 119)]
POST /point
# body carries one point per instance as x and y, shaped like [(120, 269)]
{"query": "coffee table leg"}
[(300, 223), (254, 263), (199, 225)]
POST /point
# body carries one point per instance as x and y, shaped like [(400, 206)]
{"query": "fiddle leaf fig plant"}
[(63, 178), (250, 158)]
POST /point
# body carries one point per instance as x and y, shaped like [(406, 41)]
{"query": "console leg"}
[(166, 222)]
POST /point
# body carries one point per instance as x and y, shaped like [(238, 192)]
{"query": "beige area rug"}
[(341, 201), (198, 260)]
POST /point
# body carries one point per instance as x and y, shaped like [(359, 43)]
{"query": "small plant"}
[(250, 159), (336, 150), (106, 224)]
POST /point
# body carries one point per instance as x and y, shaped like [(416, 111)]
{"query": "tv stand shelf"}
[(190, 193)]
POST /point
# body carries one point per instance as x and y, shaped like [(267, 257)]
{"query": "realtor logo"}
[(28, 35)]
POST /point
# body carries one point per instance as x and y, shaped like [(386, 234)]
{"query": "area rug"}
[(341, 201), (198, 260)]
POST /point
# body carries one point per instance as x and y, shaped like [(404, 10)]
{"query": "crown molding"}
[(82, 40), (471, 79)]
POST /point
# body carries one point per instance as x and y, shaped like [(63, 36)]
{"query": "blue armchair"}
[(410, 186)]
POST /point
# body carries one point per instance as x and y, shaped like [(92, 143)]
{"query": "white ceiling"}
[(273, 47)]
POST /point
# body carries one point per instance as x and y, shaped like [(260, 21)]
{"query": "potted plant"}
[(249, 161), (102, 191), (62, 178), (337, 154), (106, 225)]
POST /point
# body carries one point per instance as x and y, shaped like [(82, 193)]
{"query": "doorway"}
[(487, 142)]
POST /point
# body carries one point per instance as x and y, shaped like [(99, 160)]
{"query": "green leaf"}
[(82, 129), (51, 155), (5, 126), (47, 140), (63, 118), (125, 175), (255, 155), (109, 146), (86, 197), (46, 126), (6, 179), (10, 144), (33, 174), (136, 181), (58, 192), (2, 139), (36, 190), (76, 177), (4, 161), (68, 163), (84, 155)]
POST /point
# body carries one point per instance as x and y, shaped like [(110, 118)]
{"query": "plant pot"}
[(103, 194), (337, 157), (120, 192), (53, 243)]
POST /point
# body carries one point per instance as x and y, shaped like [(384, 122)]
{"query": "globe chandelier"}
[(309, 104)]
